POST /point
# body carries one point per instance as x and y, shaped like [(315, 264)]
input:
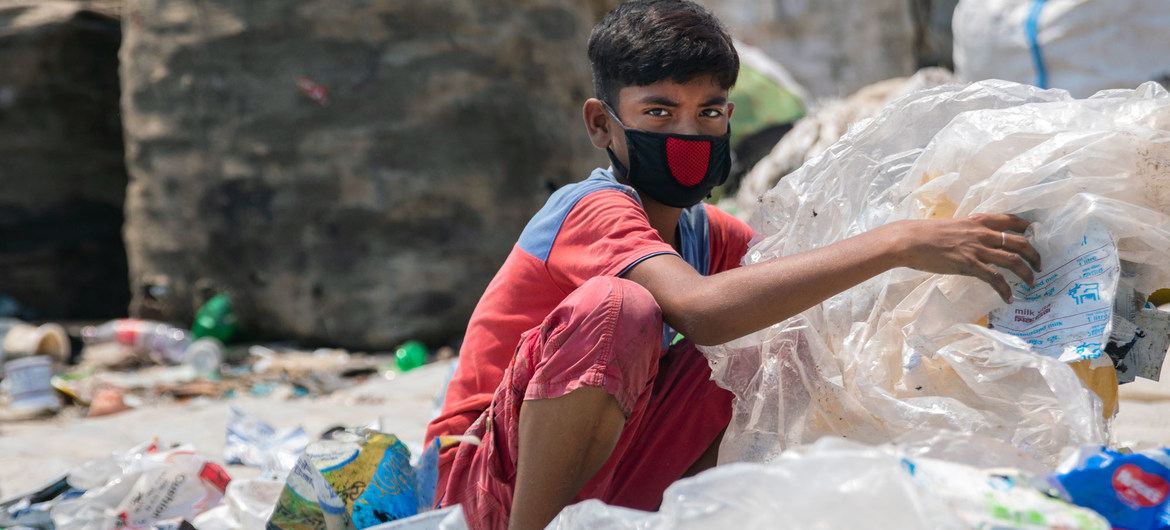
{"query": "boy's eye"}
[(711, 113), (658, 113)]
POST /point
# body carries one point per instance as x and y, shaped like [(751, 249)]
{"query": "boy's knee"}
[(627, 299)]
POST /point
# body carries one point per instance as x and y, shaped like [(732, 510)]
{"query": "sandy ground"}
[(34, 452)]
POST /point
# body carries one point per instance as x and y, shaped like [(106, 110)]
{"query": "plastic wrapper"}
[(1131, 490), (882, 487), (909, 351), (247, 503), (252, 442), (140, 488)]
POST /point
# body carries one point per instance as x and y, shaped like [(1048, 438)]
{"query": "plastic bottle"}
[(205, 355), (412, 354), (215, 319), (142, 335)]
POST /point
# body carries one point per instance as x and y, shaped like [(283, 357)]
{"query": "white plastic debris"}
[(838, 484), (140, 488), (907, 350)]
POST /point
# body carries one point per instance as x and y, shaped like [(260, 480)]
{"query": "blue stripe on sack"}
[(1030, 32)]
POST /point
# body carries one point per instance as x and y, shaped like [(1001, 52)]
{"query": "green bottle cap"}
[(412, 354), (215, 319)]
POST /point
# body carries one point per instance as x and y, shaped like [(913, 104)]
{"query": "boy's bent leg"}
[(563, 443), (605, 338)]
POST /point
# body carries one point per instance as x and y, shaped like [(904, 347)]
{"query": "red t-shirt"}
[(596, 227)]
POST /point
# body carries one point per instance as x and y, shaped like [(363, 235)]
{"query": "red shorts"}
[(606, 334)]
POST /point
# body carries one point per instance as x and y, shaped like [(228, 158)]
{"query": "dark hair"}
[(642, 42)]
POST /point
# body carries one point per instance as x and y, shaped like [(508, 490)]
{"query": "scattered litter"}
[(412, 354), (352, 480), (139, 488), (1130, 490), (247, 504), (215, 319), (107, 401), (252, 442), (20, 339), (28, 388), (835, 483)]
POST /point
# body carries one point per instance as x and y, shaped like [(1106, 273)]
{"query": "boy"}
[(571, 372)]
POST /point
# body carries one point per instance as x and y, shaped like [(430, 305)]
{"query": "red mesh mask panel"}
[(688, 160)]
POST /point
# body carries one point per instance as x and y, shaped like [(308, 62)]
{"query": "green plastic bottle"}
[(215, 319), (412, 354)]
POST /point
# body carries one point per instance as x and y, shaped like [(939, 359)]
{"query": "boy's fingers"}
[(1013, 262), (1019, 245), (1002, 222), (996, 281)]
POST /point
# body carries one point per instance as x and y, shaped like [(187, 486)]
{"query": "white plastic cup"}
[(29, 387)]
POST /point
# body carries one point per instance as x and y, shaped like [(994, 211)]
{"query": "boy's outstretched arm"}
[(721, 307)]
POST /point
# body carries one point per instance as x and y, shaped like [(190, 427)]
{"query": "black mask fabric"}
[(677, 170)]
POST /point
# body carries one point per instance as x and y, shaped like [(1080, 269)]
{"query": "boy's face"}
[(699, 106)]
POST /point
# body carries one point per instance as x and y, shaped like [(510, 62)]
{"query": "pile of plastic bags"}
[(910, 351)]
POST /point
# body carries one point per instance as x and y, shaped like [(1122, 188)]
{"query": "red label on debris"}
[(215, 475), (1138, 488)]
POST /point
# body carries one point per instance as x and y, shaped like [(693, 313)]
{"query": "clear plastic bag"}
[(906, 351), (879, 487)]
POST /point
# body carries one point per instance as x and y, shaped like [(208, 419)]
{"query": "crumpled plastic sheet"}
[(842, 368), (145, 487), (839, 484)]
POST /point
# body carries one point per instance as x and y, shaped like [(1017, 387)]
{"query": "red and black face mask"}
[(677, 170)]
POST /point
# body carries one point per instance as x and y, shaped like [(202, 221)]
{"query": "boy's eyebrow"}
[(658, 100), (667, 102)]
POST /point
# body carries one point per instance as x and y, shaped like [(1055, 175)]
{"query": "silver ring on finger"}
[(1002, 240)]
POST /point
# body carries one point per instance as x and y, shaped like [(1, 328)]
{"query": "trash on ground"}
[(352, 480), (247, 504), (252, 442), (107, 401), (139, 488), (1130, 490), (215, 319), (449, 518), (27, 388), (835, 483), (21, 339)]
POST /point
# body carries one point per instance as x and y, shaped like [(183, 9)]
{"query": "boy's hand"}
[(970, 247)]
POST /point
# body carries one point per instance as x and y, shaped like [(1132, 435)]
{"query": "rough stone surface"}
[(63, 177), (352, 172)]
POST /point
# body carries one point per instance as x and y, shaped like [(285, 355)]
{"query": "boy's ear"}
[(597, 123), (730, 108)]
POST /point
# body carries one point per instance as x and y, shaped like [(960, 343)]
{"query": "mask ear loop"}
[(614, 114), (620, 169)]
